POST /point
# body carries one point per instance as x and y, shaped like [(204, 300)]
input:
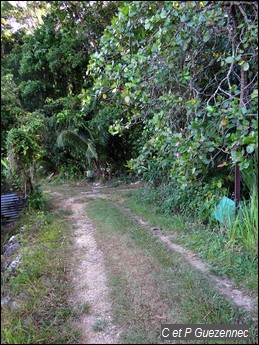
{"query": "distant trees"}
[(44, 64)]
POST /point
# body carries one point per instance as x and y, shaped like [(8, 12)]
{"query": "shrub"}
[(36, 200)]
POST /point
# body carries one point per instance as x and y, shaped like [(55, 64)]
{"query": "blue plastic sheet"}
[(225, 211)]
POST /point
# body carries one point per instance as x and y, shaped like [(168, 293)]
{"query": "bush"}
[(71, 172), (36, 200), (198, 201)]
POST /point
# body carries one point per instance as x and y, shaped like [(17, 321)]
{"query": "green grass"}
[(244, 231), (84, 308), (212, 246), (149, 212), (224, 260), (151, 284), (44, 316), (68, 189), (64, 213)]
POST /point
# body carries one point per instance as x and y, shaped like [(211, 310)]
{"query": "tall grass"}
[(244, 231)]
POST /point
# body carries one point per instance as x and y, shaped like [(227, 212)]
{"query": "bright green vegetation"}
[(151, 284), (180, 75), (46, 127), (43, 315), (244, 231)]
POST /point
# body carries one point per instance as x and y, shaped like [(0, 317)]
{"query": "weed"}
[(36, 200), (64, 213), (197, 202), (121, 180), (99, 325), (84, 308), (213, 246), (244, 231)]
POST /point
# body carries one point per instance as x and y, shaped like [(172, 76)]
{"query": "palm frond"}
[(102, 137), (72, 139), (91, 152)]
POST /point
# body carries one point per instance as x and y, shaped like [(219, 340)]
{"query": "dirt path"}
[(88, 276)]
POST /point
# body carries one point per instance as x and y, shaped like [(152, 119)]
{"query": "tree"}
[(186, 74), (44, 66), (25, 150)]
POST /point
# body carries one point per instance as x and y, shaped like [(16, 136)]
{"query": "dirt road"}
[(89, 272)]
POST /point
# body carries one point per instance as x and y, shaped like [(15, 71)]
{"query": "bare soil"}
[(87, 275)]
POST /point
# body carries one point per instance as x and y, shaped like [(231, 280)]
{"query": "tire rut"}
[(223, 285), (87, 276)]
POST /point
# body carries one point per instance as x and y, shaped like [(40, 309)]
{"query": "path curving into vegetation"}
[(164, 92), (129, 277), (96, 269)]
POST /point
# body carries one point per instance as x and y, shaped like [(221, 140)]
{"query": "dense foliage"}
[(186, 73), (162, 91), (44, 68), (168, 89)]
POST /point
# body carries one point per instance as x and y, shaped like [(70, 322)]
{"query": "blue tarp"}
[(225, 211)]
